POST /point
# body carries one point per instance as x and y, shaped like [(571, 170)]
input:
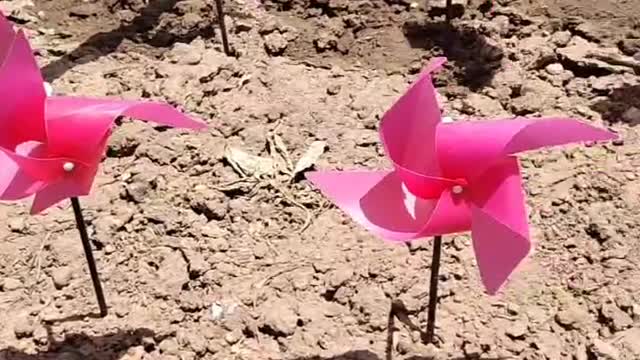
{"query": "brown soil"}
[(200, 263)]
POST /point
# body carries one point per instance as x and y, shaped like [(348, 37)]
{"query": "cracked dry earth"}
[(213, 246)]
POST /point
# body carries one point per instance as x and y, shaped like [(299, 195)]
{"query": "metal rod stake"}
[(82, 228), (223, 28), (433, 289)]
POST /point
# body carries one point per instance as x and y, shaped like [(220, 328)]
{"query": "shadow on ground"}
[(476, 59), (80, 346), (137, 30), (620, 101), (397, 311)]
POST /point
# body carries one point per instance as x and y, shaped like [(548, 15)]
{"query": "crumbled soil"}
[(211, 246)]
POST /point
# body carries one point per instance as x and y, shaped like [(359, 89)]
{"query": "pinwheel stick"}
[(82, 228), (433, 289), (449, 9), (223, 28)]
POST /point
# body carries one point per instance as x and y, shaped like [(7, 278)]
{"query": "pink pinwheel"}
[(451, 177), (52, 146)]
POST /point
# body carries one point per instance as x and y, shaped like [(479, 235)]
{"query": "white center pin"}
[(457, 189), (68, 166)]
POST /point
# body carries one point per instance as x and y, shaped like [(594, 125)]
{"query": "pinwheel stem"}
[(82, 228), (449, 9), (223, 28), (433, 289)]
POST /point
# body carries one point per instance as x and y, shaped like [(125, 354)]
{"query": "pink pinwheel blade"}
[(71, 118), (411, 124), (450, 216), (15, 184), (378, 202), (466, 149), (500, 229), (22, 94), (78, 184)]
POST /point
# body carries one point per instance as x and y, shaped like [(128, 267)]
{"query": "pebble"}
[(334, 89), (632, 116), (169, 346), (574, 317), (23, 329), (10, 284), (555, 69), (517, 330), (61, 277), (604, 351)]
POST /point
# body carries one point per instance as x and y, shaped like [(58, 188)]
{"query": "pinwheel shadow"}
[(79, 346), (138, 30), (477, 59), (397, 311), (621, 105)]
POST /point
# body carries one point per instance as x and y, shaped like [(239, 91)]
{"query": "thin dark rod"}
[(82, 228), (433, 289), (223, 28), (449, 10)]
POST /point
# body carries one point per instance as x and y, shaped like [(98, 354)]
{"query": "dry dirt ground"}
[(213, 246)]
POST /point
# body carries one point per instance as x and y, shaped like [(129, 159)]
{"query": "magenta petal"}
[(77, 183), (450, 215), (500, 229), (408, 129), (15, 184), (375, 200), (22, 94), (466, 149)]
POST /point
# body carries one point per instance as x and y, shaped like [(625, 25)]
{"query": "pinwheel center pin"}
[(457, 189), (68, 166)]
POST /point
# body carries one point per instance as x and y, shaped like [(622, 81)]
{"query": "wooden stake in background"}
[(223, 28)]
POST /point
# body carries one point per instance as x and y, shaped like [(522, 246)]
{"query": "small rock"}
[(275, 43), (573, 317), (339, 277), (217, 312), (243, 25), (23, 329), (632, 116), (334, 89), (619, 319), (61, 277), (17, 224), (187, 54), (212, 230), (517, 330), (555, 69), (604, 351), (589, 57), (260, 250), (561, 38), (10, 284), (536, 95), (631, 341), (218, 244), (482, 105), (40, 336), (169, 346), (629, 46), (325, 42), (280, 317), (588, 31), (550, 344), (233, 336)]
